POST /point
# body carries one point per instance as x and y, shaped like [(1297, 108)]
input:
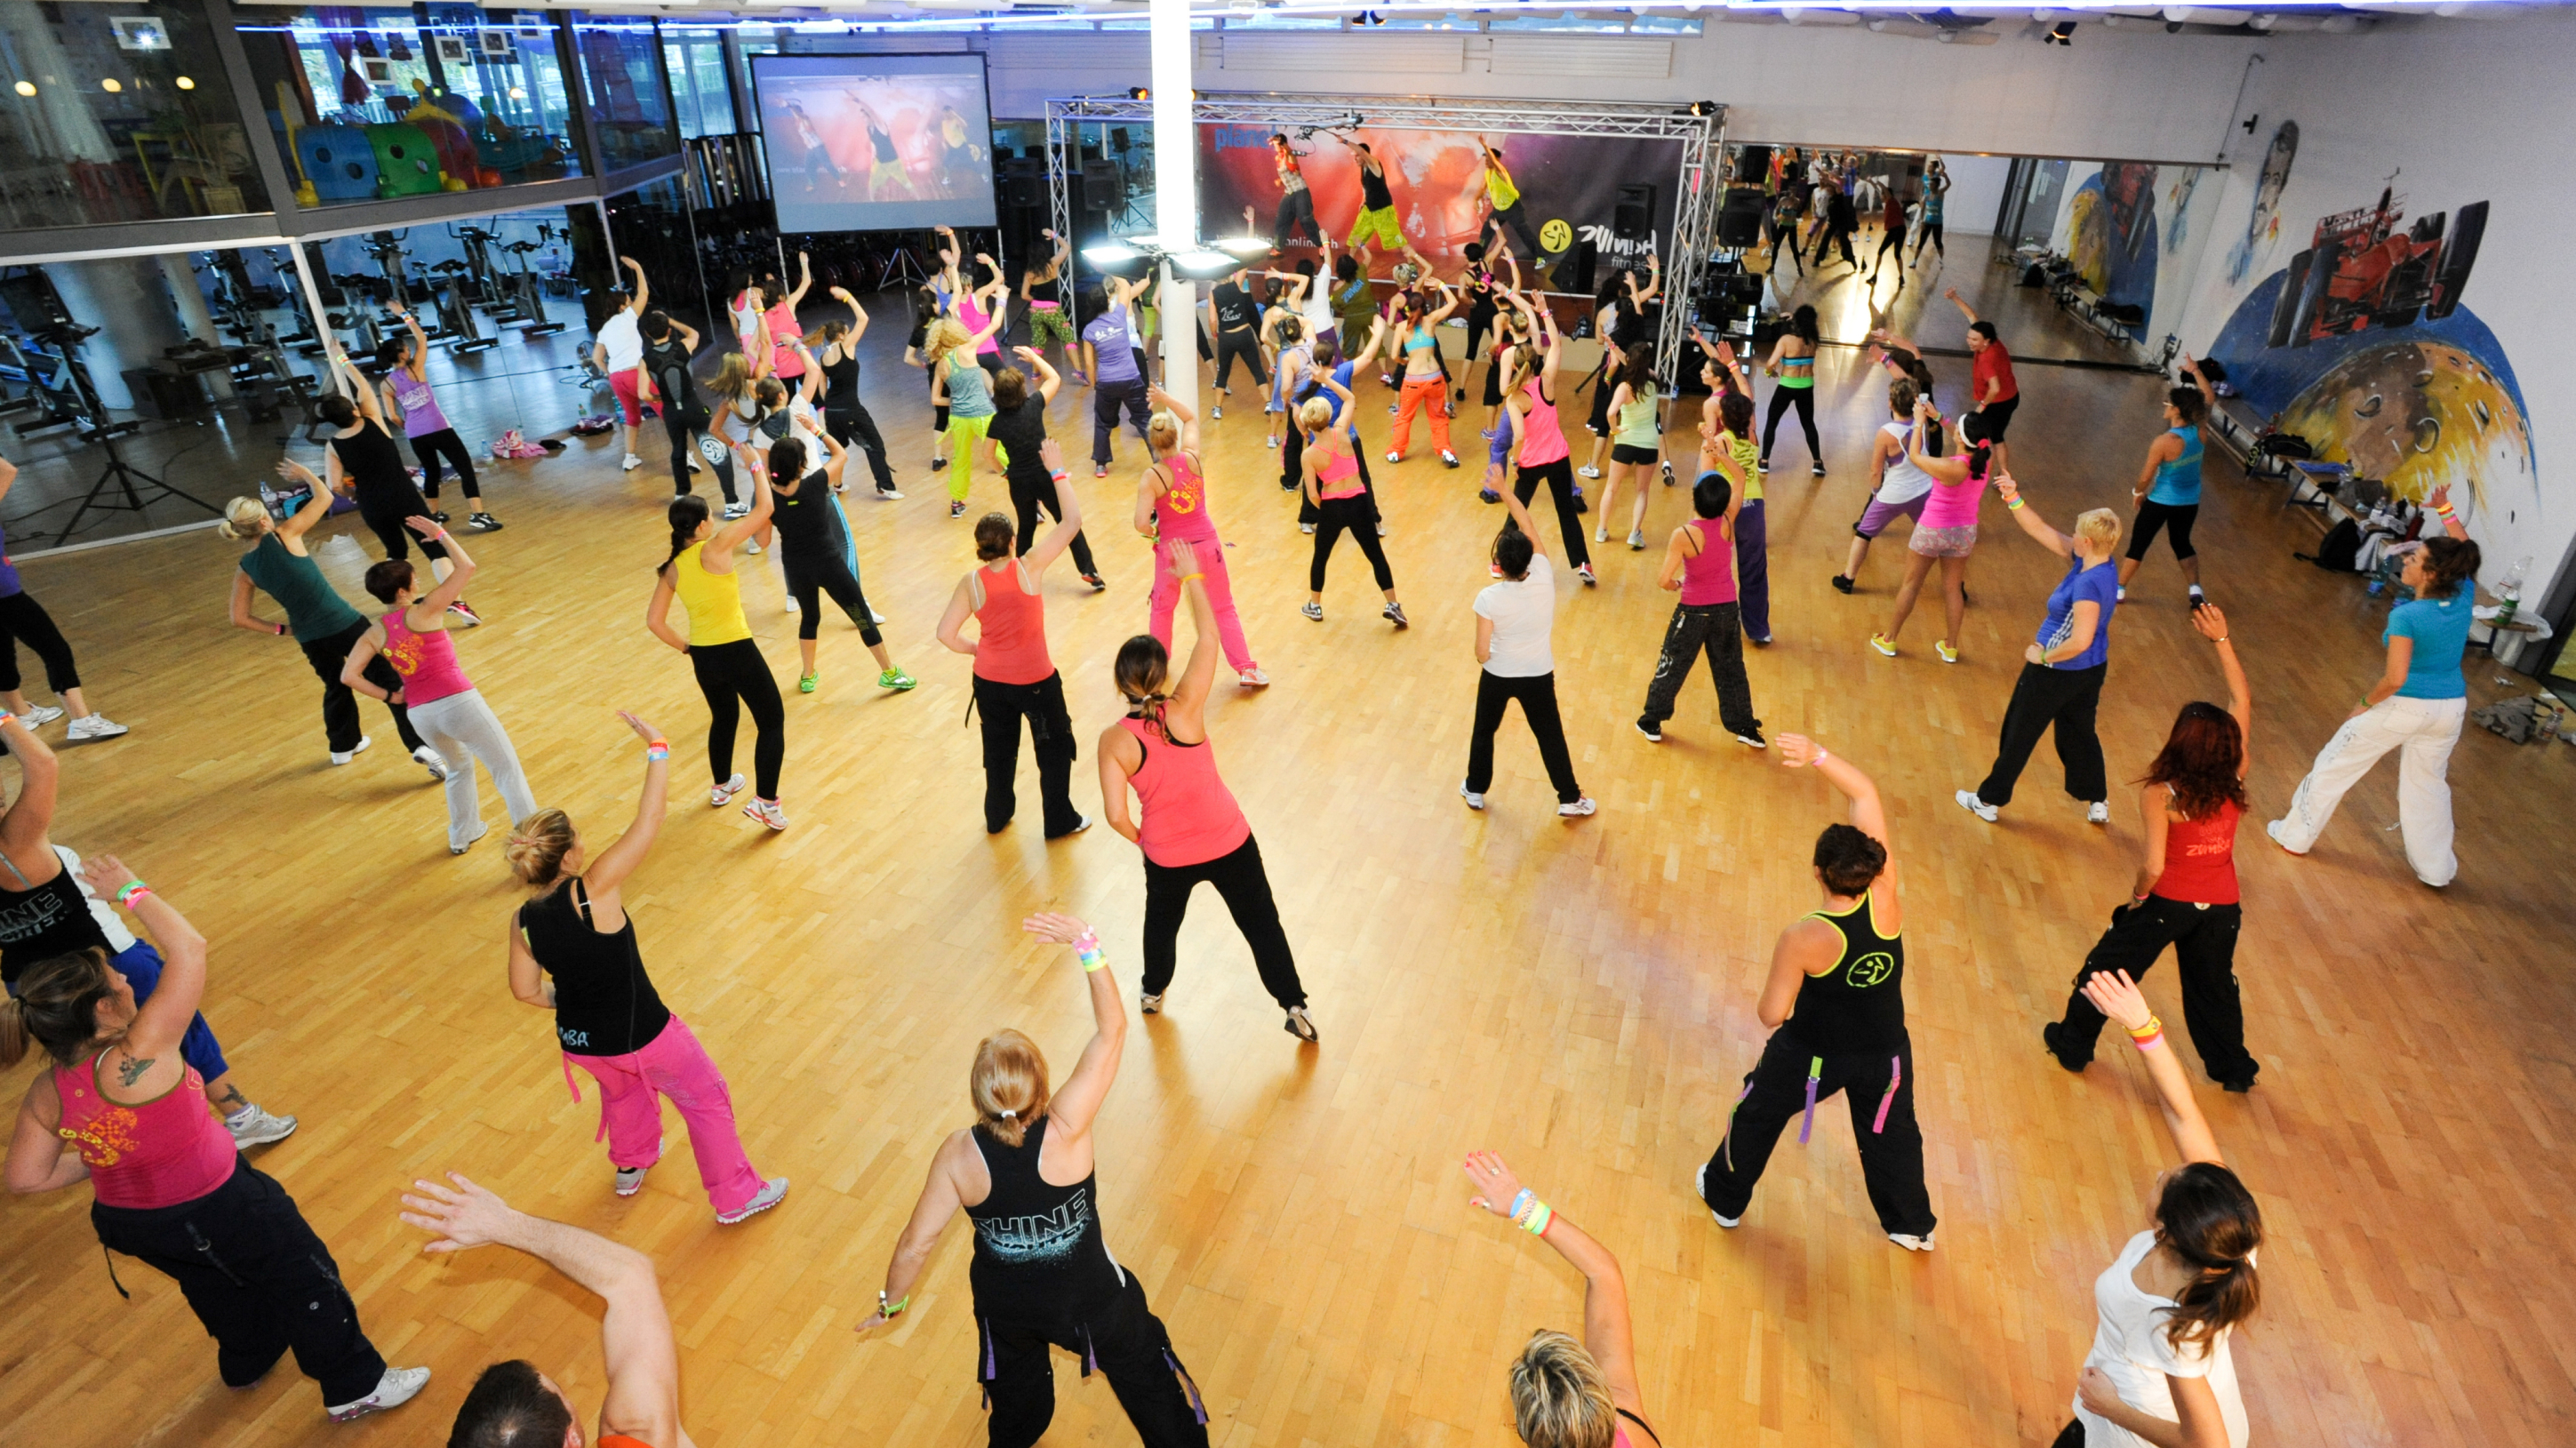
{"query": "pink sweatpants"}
[(630, 1111), (1229, 625)]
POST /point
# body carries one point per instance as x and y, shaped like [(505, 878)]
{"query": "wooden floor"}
[(1577, 995)]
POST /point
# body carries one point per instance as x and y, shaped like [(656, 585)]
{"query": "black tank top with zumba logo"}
[(39, 922), (1038, 1249), (605, 1004), (1859, 1005), (841, 382)]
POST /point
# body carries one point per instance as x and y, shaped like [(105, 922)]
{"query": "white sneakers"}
[(1300, 1026), (1969, 801), (343, 756), (480, 831), (630, 1180), (722, 794), (771, 1193), (397, 1387), (95, 726), (2097, 813), (631, 464), (1702, 1179), (1253, 679), (429, 759), (252, 1126), (40, 715), (767, 812), (1911, 1243), (1578, 809), (1473, 799)]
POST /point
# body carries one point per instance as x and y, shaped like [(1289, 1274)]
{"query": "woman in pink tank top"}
[(121, 1109), (443, 704), (784, 330), (1543, 455), (1947, 531), (1560, 1386), (1339, 496), (1699, 564), (1014, 676), (1172, 504), (1191, 829)]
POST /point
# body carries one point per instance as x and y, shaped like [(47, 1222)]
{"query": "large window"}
[(370, 104), (700, 92), (630, 107), (112, 113)]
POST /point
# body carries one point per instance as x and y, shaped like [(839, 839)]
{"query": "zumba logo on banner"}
[(1567, 189)]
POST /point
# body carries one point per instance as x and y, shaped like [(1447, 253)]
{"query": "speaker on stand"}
[(1739, 220), (1633, 219)]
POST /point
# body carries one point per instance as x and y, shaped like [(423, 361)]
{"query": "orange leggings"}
[(1430, 392)]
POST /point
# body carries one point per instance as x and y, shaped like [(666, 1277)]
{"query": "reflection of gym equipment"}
[(260, 377), (349, 305), (453, 290), (385, 248), (521, 285), (66, 335)]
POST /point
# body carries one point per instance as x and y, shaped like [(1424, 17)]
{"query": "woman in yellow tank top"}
[(731, 671)]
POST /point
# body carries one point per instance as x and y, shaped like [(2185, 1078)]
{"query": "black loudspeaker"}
[(1739, 222), (1575, 272), (1752, 165), (1104, 186), (1024, 183), (1118, 138), (1634, 219)]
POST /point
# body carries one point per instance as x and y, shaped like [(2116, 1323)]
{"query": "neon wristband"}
[(7, 718), (892, 1309), (2149, 1043), (2016, 505), (657, 753), (1186, 577), (1539, 1216), (2155, 1025), (1093, 959), (131, 890)]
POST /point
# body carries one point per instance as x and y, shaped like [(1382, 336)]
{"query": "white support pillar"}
[(1176, 192)]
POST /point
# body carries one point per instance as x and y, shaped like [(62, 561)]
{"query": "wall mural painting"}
[(2362, 347), (2115, 235), (2263, 224)]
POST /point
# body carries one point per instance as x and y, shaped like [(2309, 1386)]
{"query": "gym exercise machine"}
[(525, 290)]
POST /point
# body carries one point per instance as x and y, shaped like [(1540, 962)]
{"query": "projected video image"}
[(870, 143)]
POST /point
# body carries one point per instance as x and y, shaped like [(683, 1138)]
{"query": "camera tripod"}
[(118, 473)]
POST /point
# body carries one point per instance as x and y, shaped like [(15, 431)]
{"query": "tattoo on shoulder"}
[(132, 1070)]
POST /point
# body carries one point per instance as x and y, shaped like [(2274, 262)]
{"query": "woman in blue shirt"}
[(2168, 490), (2063, 669), (2415, 706)]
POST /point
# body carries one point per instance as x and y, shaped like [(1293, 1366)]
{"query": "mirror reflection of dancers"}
[(1296, 203), (818, 555), (170, 1185), (1189, 826), (818, 157), (1936, 187), (845, 416), (1042, 287), (1835, 1002), (444, 704), (321, 622), (720, 649), (1503, 205), (24, 619), (886, 177), (361, 462), (573, 952), (47, 909), (1028, 1160), (407, 395), (1015, 676), (1172, 502), (1569, 1394)]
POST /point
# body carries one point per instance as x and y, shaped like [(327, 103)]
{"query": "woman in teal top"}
[(2168, 490), (2414, 706), (1636, 441), (1793, 361), (319, 620), (959, 383)]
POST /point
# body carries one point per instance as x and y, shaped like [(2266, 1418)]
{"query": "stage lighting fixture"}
[(1247, 247), (1201, 262), (2062, 33), (1139, 93), (1703, 108)]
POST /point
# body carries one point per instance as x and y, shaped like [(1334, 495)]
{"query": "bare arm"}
[(2116, 996), (1189, 697), (162, 1020), (643, 288), (952, 624), (316, 507), (1607, 1335), (528, 983), (1520, 515), (2212, 625), (241, 615), (461, 570), (1868, 814), (634, 1332), (38, 1161), (353, 671), (1049, 381), (1188, 415), (1077, 1101), (2030, 521), (1676, 554), (657, 617), (611, 866)]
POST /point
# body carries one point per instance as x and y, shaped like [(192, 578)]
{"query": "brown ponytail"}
[(56, 1007), (2206, 1217), (2449, 560), (1144, 666), (686, 515)]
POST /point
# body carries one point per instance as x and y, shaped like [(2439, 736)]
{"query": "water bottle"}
[(2509, 592)]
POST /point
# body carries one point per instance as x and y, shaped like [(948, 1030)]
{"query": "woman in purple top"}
[(408, 397), (22, 619), (2062, 670)]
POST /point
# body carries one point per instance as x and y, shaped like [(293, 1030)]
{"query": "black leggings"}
[(340, 724), (258, 1279), (1295, 209), (1352, 515), (1833, 236), (1243, 342), (1515, 216), (851, 426), (809, 578), (1537, 693), (1292, 475), (1245, 887), (1123, 1338), (383, 511), (1787, 233), (1929, 231), (23, 620), (430, 448), (1559, 477), (2155, 517), (735, 677), (682, 425), (1029, 495), (1050, 739), (1893, 240), (1782, 399)]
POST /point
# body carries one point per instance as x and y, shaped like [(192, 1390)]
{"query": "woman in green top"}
[(1793, 361), (1636, 441), (958, 382), (1354, 304), (320, 621)]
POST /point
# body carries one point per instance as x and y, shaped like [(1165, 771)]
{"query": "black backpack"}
[(2340, 550)]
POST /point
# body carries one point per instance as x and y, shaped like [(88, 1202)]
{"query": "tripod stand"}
[(122, 474), (901, 265)]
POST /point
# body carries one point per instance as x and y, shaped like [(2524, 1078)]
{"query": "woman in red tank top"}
[(1192, 829), (171, 1187), (1014, 676), (2186, 895), (1172, 502)]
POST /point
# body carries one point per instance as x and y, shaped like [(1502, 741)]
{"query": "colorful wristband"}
[(656, 753), (2015, 505), (2149, 1043), (2154, 1025), (892, 1309), (2444, 511), (132, 890), (281, 630), (1186, 577), (1093, 959), (7, 718)]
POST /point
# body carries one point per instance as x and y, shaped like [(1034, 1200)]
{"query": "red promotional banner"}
[(1570, 188)]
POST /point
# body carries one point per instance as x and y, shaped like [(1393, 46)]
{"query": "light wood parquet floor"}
[(1577, 995)]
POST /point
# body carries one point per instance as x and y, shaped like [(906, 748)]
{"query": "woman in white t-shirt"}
[(2159, 1372), (1515, 620)]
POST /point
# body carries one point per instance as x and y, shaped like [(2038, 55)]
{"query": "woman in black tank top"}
[(608, 1018), (1836, 1001), (1042, 1273), (1559, 1384), (844, 416)]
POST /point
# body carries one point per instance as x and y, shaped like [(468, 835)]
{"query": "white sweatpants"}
[(2423, 731), (463, 729)]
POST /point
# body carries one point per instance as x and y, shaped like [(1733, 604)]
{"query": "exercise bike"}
[(452, 288), (527, 295)]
